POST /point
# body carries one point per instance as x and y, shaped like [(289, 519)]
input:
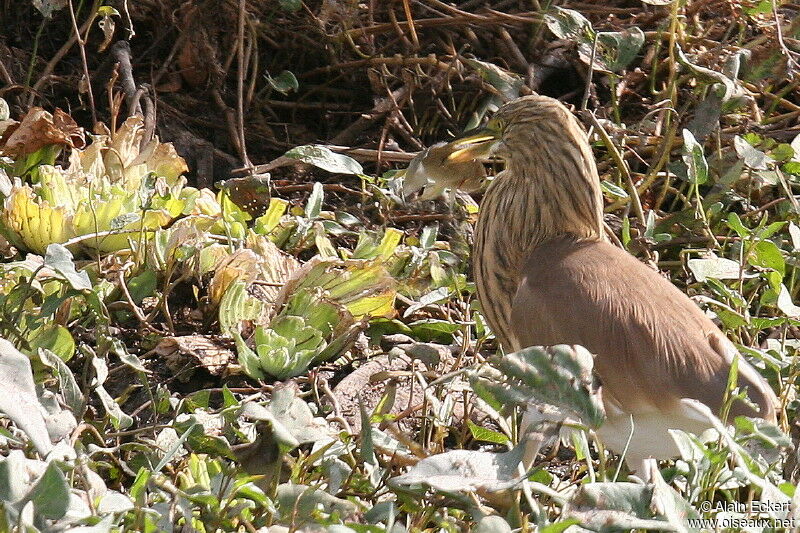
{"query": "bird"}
[(546, 274), (433, 170)]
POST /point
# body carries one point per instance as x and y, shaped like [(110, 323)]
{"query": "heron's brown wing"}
[(653, 345)]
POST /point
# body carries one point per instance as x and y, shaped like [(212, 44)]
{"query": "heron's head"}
[(533, 134), (520, 129)]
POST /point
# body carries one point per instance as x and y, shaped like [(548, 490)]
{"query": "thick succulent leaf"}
[(317, 312), (363, 287), (276, 267), (247, 357), (34, 223), (100, 191), (288, 347), (237, 305)]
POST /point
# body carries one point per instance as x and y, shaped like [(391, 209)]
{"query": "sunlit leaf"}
[(708, 75), (237, 305), (314, 203), (714, 267), (508, 83), (60, 260), (50, 495), (558, 375), (697, 167), (324, 158), (753, 158), (766, 254)]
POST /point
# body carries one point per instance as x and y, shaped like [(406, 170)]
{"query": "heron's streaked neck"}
[(558, 188)]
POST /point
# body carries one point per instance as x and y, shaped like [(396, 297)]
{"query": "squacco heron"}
[(546, 274)]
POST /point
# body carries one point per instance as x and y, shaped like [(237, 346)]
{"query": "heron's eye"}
[(496, 124)]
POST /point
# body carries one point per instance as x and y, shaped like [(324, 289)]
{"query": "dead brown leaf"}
[(38, 129), (212, 353)]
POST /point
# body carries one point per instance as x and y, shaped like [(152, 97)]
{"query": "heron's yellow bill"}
[(472, 146)]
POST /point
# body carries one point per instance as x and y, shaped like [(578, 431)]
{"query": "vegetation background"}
[(251, 329)]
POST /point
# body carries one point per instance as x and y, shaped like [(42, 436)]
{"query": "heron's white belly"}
[(649, 433)]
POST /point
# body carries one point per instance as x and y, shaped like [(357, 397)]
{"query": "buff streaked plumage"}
[(546, 275)]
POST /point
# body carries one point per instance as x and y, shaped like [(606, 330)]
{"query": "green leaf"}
[(771, 230), (237, 305), (50, 495), (617, 49), (291, 5), (284, 83), (143, 285), (560, 376), (272, 217), (434, 330), (735, 223), (613, 189), (323, 243), (56, 338), (107, 11), (761, 8), (322, 157), (428, 237), (486, 435), (568, 24), (73, 396), (247, 357), (389, 242), (792, 167), (783, 152), (288, 348), (508, 83), (766, 254), (563, 525), (697, 167)]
